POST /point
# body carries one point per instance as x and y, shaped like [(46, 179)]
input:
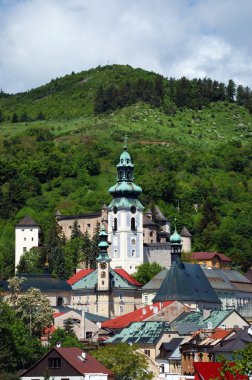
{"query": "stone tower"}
[(125, 218)]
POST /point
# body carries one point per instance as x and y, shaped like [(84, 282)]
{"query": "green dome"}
[(125, 159), (175, 238), (125, 189)]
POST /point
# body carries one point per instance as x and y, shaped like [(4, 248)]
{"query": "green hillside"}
[(193, 160)]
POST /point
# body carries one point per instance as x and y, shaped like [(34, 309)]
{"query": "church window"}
[(102, 282), (133, 241), (32, 238), (24, 249), (24, 239), (115, 224), (103, 274), (115, 252), (133, 252), (133, 224), (121, 310)]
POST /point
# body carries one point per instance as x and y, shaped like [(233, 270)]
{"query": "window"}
[(147, 352), (133, 224), (88, 334), (24, 239), (151, 233), (54, 363), (120, 296), (89, 225), (60, 301), (24, 249), (115, 252), (103, 274), (133, 252), (115, 224), (96, 309), (133, 241), (145, 298), (32, 239), (121, 310), (31, 229)]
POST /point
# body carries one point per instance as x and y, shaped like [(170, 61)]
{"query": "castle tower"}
[(26, 237), (103, 275), (125, 218)]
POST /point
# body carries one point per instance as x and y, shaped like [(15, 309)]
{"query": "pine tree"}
[(55, 244), (94, 248), (14, 118), (86, 249)]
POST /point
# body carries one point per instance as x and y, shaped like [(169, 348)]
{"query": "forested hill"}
[(190, 141)]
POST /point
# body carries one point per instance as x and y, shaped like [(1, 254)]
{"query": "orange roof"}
[(55, 315), (79, 275), (49, 330), (220, 333), (127, 276), (138, 315)]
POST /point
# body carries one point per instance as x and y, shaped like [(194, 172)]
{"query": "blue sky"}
[(44, 39)]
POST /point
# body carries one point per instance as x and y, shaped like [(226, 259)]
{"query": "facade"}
[(68, 364), (26, 237)]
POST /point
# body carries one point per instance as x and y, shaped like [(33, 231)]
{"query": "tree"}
[(14, 118), (69, 327), (35, 311), (32, 261), (14, 284), (55, 250), (231, 90), (124, 361), (145, 272), (61, 336), (94, 248), (240, 363)]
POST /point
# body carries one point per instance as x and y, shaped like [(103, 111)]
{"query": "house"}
[(189, 322), (57, 291), (68, 364), (210, 371), (211, 260), (199, 347), (237, 341), (170, 358), (147, 335), (86, 325), (166, 312)]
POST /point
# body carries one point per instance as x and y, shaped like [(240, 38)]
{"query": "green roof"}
[(90, 281), (141, 333), (192, 321), (126, 203)]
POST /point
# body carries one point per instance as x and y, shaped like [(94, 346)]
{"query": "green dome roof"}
[(175, 238), (125, 159), (125, 189)]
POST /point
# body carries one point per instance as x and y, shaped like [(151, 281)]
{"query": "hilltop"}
[(191, 148)]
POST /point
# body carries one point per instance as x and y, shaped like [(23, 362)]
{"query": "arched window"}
[(103, 274), (133, 224), (115, 224), (151, 233)]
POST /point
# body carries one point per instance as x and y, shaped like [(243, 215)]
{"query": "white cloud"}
[(41, 40)]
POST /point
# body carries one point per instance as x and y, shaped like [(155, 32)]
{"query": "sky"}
[(44, 39)]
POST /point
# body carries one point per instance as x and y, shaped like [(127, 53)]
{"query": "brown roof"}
[(148, 222), (185, 233), (27, 221), (209, 256), (90, 365)]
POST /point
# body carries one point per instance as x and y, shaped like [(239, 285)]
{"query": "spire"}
[(103, 246), (175, 240)]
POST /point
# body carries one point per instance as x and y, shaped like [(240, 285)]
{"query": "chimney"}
[(58, 345), (83, 355)]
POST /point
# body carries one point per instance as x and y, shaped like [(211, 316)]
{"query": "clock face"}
[(133, 209), (103, 265)]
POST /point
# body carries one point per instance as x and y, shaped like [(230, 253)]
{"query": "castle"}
[(134, 237)]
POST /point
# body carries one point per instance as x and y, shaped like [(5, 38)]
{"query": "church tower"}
[(103, 275), (125, 218)]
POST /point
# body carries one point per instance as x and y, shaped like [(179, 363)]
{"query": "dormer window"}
[(54, 362)]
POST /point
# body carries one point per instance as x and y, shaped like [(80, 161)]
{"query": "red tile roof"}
[(127, 276), (210, 370), (138, 315), (220, 333), (209, 256), (90, 365), (79, 275), (58, 314)]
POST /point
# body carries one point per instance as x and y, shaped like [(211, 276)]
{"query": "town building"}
[(186, 282), (211, 260), (105, 291), (68, 364), (26, 237)]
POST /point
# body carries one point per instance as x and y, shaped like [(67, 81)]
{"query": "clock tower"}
[(125, 218)]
